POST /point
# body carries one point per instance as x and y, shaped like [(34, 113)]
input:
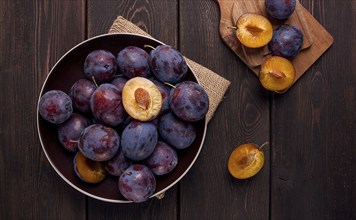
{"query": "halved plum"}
[(141, 99)]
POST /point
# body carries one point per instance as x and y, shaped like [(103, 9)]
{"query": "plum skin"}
[(189, 101), (168, 64), (119, 82), (175, 131), (106, 105), (280, 9), (287, 41), (162, 160), (70, 131), (55, 106), (100, 65), (138, 140), (133, 61), (99, 142), (137, 183), (118, 164), (80, 94)]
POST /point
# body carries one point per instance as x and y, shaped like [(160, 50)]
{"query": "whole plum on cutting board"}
[(280, 9), (286, 42)]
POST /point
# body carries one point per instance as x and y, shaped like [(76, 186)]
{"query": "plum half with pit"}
[(100, 66), (253, 30), (280, 9), (137, 183), (55, 106), (133, 61), (99, 142), (141, 99), (246, 160), (88, 170), (70, 131), (106, 105), (168, 64), (287, 40), (277, 73), (189, 101)]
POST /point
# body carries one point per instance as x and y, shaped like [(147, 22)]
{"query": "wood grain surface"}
[(310, 167), (32, 40)]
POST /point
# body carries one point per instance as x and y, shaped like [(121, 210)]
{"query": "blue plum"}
[(138, 140), (100, 65), (99, 142), (287, 40), (175, 131), (168, 64), (70, 131), (119, 82), (80, 94), (280, 9), (118, 164), (137, 183), (163, 159), (106, 105), (55, 106), (189, 101), (133, 61)]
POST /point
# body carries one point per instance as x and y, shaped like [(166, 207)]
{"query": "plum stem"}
[(267, 53), (232, 27), (118, 75), (149, 46), (94, 81), (171, 85), (73, 141), (264, 144)]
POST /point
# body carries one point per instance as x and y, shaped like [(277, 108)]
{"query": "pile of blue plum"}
[(287, 39), (106, 139)]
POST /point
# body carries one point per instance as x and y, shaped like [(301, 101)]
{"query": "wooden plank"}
[(313, 162), (158, 18), (34, 35), (208, 191)]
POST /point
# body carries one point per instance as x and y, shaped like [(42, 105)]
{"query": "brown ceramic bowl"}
[(62, 76)]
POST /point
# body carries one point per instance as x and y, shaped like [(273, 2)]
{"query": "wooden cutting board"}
[(316, 39)]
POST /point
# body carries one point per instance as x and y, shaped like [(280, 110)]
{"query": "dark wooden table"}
[(310, 169)]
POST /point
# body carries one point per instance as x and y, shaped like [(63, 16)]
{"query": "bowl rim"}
[(157, 194)]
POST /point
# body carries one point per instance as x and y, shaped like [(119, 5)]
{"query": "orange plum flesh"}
[(88, 170), (253, 30), (245, 161), (277, 73), (141, 99)]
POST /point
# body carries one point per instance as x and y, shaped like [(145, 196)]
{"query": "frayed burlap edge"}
[(215, 85)]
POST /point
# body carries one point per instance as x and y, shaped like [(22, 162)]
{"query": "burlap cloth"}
[(213, 84)]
